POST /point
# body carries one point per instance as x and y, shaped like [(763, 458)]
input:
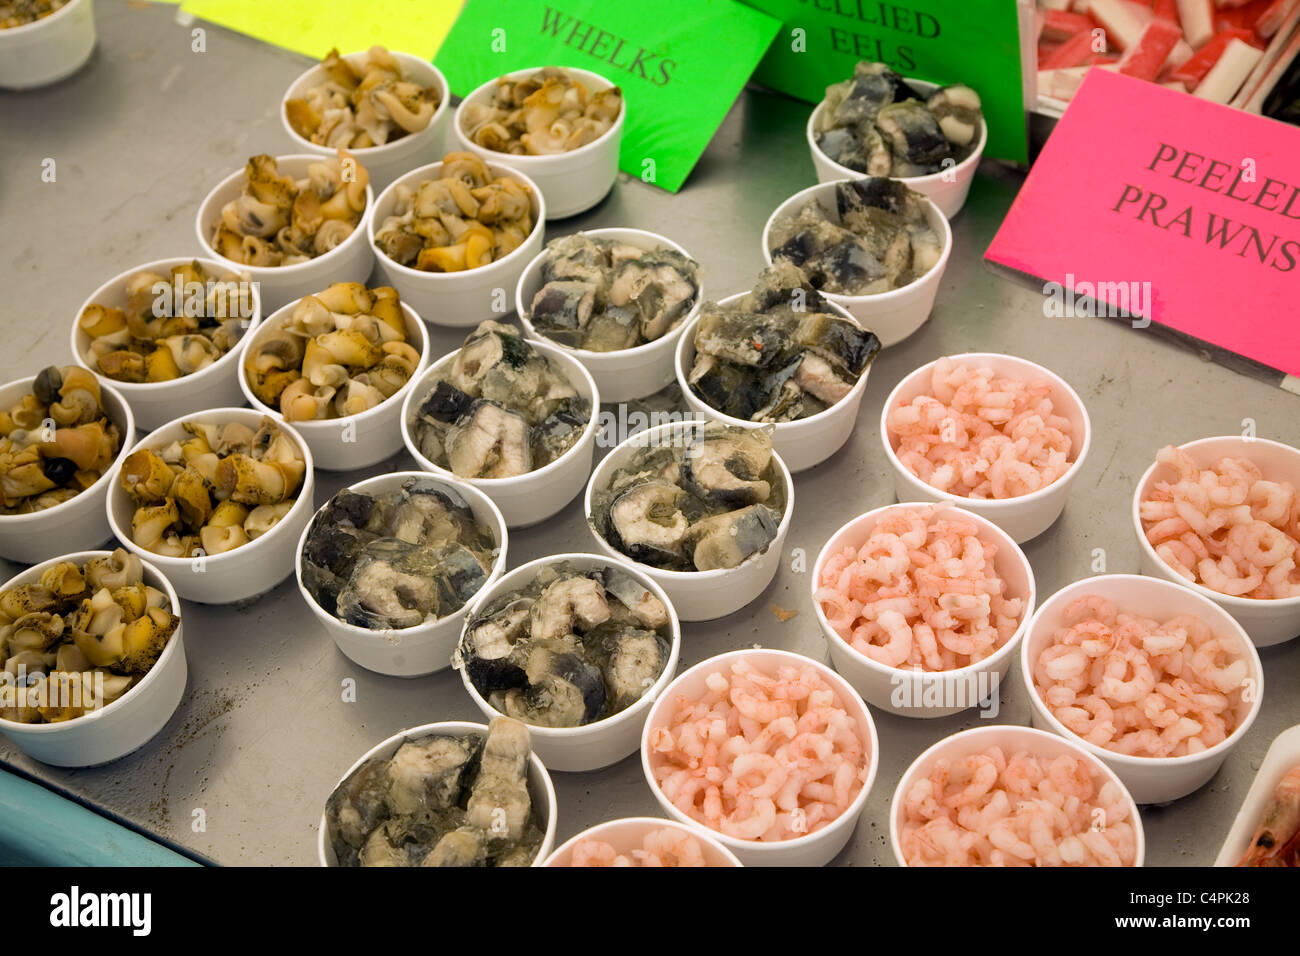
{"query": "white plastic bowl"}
[(76, 524), (425, 648), (49, 49), (1010, 739), (927, 693), (124, 725), (813, 849), (1028, 515), (697, 595), (1149, 779), (602, 742), (154, 403), (525, 499), (1283, 754), (801, 444), (947, 189), (350, 261), (357, 441), (573, 182), (892, 315), (540, 787), (456, 299), (245, 572), (1267, 622), (628, 834), (385, 163), (627, 374)]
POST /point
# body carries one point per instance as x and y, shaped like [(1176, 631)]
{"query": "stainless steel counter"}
[(138, 138)]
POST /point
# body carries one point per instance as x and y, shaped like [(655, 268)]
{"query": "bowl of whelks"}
[(1157, 682), (294, 223), (1266, 831), (62, 434), (578, 647), (771, 798), (514, 418), (560, 126), (957, 405), (642, 841), (390, 567), (92, 664), (217, 501), (44, 41), (740, 497), (453, 237), (873, 246), (619, 299), (168, 335), (1221, 517), (923, 607), (337, 366), (1013, 796), (452, 793), (390, 109), (752, 359), (927, 136)]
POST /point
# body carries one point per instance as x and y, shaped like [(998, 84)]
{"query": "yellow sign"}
[(313, 27)]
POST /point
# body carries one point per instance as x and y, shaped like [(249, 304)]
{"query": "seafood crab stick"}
[(1145, 58)]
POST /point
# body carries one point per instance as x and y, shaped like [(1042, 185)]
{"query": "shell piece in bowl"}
[(1240, 687), (1268, 621), (337, 366), (169, 335), (514, 418), (133, 684), (578, 647), (336, 102), (391, 565), (642, 841), (216, 549), (805, 381), (47, 49), (452, 793), (454, 268), (1118, 816), (622, 314), (929, 693), (234, 226), (65, 433), (872, 246), (1022, 516), (814, 831), (573, 177), (739, 495)]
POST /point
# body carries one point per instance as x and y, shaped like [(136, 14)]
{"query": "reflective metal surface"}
[(140, 136)]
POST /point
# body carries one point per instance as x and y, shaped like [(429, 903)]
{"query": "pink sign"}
[(1168, 208)]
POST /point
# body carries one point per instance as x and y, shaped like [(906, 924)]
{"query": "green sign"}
[(680, 63), (976, 42)]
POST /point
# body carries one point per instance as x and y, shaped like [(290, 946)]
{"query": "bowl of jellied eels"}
[(511, 417), (618, 299), (701, 508), (882, 124), (577, 646), (447, 794), (873, 246), (780, 355), (390, 565)]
